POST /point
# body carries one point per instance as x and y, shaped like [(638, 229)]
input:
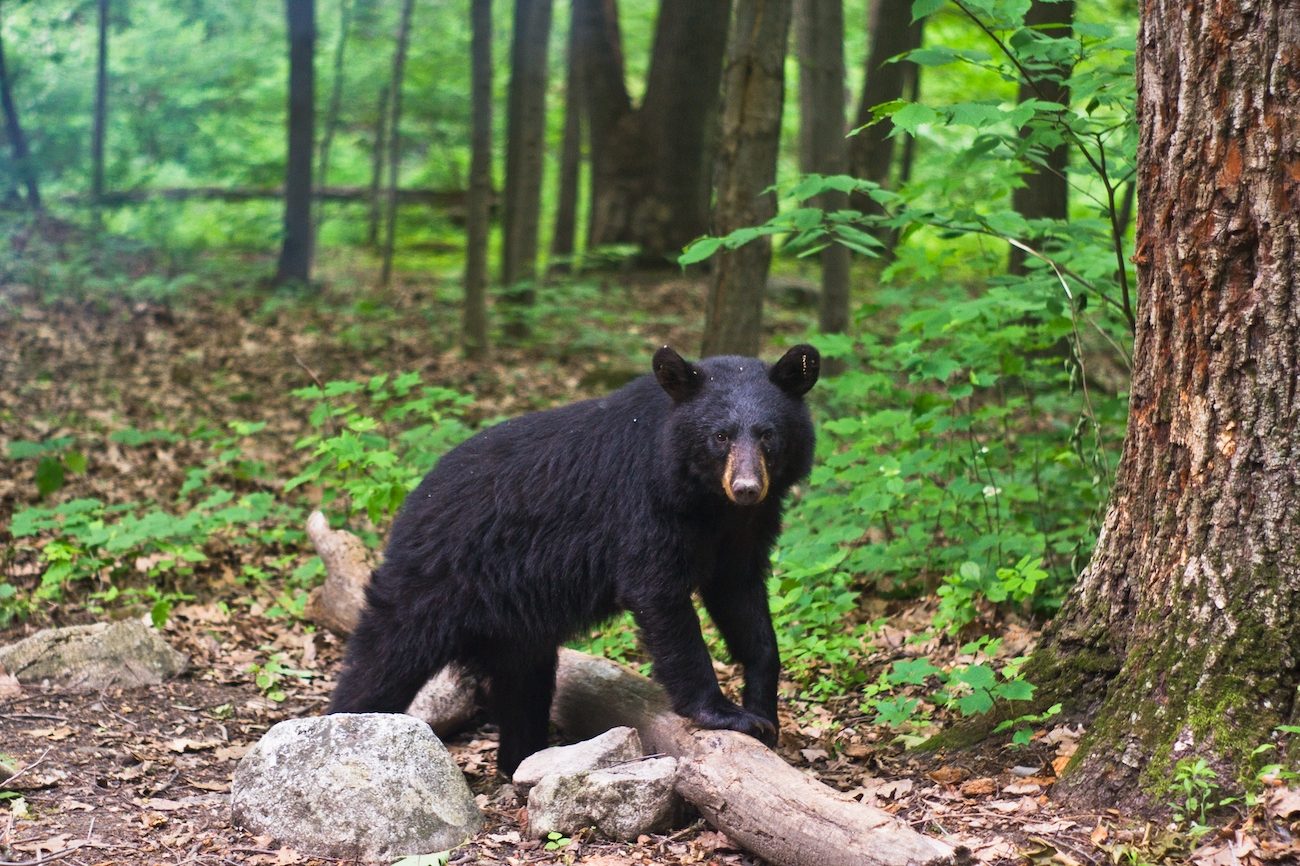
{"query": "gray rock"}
[(615, 746), (369, 786), (94, 657), (621, 802)]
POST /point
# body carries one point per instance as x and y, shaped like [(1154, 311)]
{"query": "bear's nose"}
[(746, 490)]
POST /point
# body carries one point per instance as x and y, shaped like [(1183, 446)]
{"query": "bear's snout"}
[(745, 480)]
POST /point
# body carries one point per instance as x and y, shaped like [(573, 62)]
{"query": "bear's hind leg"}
[(386, 665), (520, 693)]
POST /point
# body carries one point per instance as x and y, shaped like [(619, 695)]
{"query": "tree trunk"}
[(751, 130), (650, 165), (474, 338), (101, 107), (394, 142), (1185, 622), (871, 151), (332, 110), (819, 30), (379, 144), (525, 151), (566, 206), (17, 138), (1046, 190), (295, 251)]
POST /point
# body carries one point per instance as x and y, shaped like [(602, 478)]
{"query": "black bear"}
[(544, 525)]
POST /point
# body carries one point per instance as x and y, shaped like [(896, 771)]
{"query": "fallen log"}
[(740, 786)]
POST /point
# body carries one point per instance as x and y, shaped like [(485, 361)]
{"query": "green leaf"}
[(699, 250), (1015, 690), (922, 8), (49, 475)]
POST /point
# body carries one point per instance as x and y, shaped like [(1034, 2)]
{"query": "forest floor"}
[(142, 776)]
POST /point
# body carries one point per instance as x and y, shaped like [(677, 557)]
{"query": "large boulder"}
[(94, 657), (615, 746), (620, 802), (366, 786)]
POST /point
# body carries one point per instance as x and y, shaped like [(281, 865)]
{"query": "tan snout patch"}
[(729, 475)]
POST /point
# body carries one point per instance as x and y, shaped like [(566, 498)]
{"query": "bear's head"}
[(738, 427)]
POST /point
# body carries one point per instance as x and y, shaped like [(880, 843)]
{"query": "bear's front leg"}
[(739, 610), (671, 631)]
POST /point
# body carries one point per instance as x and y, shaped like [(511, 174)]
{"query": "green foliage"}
[(1022, 726), (270, 676), (556, 841), (1196, 794), (56, 459), (372, 441)]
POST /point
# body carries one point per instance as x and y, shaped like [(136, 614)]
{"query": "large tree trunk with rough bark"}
[(651, 163), (819, 32), (1046, 190), (1184, 627), (474, 336), (525, 152), (754, 94)]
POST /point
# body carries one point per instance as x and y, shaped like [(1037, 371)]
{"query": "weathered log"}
[(744, 789)]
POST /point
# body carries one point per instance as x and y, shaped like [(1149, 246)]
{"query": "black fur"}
[(537, 528)]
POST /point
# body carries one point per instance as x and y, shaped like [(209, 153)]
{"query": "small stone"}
[(369, 786), (615, 746), (621, 802), (94, 657)]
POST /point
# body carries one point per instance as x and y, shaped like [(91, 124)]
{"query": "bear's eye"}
[(767, 437), (721, 437)]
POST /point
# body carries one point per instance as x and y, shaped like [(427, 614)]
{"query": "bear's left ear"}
[(797, 370), (679, 377)]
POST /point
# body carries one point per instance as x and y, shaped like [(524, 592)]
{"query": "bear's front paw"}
[(730, 717)]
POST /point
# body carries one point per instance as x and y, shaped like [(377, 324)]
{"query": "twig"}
[(308, 370), (39, 860), (28, 767)]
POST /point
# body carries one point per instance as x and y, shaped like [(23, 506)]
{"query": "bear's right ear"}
[(680, 378)]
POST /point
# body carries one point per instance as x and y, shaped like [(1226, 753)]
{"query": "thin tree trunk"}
[(525, 150), (651, 165), (332, 110), (1184, 625), (871, 151), (1046, 190), (753, 97), (17, 138), (607, 104), (474, 337), (295, 251), (379, 145), (395, 142), (819, 30), (566, 207), (101, 107)]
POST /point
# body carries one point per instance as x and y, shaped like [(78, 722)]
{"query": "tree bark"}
[(650, 164), (819, 31), (379, 144), (751, 125), (474, 336), (1184, 624), (295, 249), (1046, 190), (332, 109), (17, 138), (101, 106), (566, 206), (394, 135), (525, 149), (871, 151)]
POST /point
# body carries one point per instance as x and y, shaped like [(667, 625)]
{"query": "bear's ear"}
[(797, 370), (679, 377)]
